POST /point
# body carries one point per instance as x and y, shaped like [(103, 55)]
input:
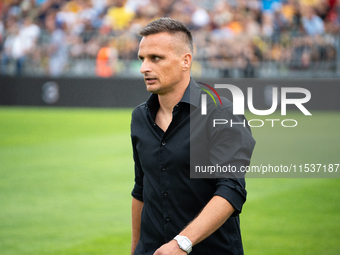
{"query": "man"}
[(173, 214)]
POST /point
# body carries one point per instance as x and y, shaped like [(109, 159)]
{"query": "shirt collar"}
[(192, 93)]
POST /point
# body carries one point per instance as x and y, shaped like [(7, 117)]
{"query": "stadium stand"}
[(233, 38)]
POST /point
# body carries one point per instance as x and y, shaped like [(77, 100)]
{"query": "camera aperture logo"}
[(238, 104), (204, 97)]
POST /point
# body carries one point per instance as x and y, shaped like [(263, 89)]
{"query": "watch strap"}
[(184, 243)]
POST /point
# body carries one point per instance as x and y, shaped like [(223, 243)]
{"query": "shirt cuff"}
[(233, 193), (137, 192)]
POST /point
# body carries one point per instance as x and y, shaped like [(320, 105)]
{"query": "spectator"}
[(135, 5), (106, 61), (270, 5), (12, 50), (252, 28), (312, 24), (279, 25), (68, 17), (120, 15), (267, 25), (200, 17), (20, 43), (30, 33), (235, 24), (58, 46), (333, 17), (2, 30)]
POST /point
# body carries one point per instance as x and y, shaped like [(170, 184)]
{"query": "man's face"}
[(162, 62)]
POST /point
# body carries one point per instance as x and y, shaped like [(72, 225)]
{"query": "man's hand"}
[(170, 248)]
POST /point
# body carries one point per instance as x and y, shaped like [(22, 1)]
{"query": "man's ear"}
[(187, 59)]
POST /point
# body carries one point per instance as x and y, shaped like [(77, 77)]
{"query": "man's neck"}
[(168, 101)]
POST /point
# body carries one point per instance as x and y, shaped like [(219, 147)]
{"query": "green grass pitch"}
[(66, 177)]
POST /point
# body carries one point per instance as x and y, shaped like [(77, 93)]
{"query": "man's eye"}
[(156, 58)]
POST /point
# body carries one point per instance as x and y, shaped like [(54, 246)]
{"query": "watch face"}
[(185, 243)]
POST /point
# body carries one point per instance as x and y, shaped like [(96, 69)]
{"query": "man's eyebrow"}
[(157, 55), (151, 56)]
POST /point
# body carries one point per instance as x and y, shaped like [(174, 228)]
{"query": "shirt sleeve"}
[(137, 191), (231, 145)]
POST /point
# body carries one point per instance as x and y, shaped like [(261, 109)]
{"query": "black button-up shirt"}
[(162, 172)]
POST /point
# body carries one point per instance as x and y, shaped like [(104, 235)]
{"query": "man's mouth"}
[(150, 80)]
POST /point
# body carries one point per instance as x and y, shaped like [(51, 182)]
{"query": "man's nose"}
[(145, 67)]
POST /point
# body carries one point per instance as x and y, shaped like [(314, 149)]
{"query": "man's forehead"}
[(156, 43), (161, 41), (158, 39)]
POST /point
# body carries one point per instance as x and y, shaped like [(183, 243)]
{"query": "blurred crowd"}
[(228, 34)]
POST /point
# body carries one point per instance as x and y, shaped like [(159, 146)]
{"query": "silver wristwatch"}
[(184, 243)]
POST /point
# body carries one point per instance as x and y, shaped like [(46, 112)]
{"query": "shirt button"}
[(163, 143), (165, 193), (163, 169), (167, 219)]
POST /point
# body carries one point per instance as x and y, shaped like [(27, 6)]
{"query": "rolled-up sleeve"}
[(232, 146), (232, 190)]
